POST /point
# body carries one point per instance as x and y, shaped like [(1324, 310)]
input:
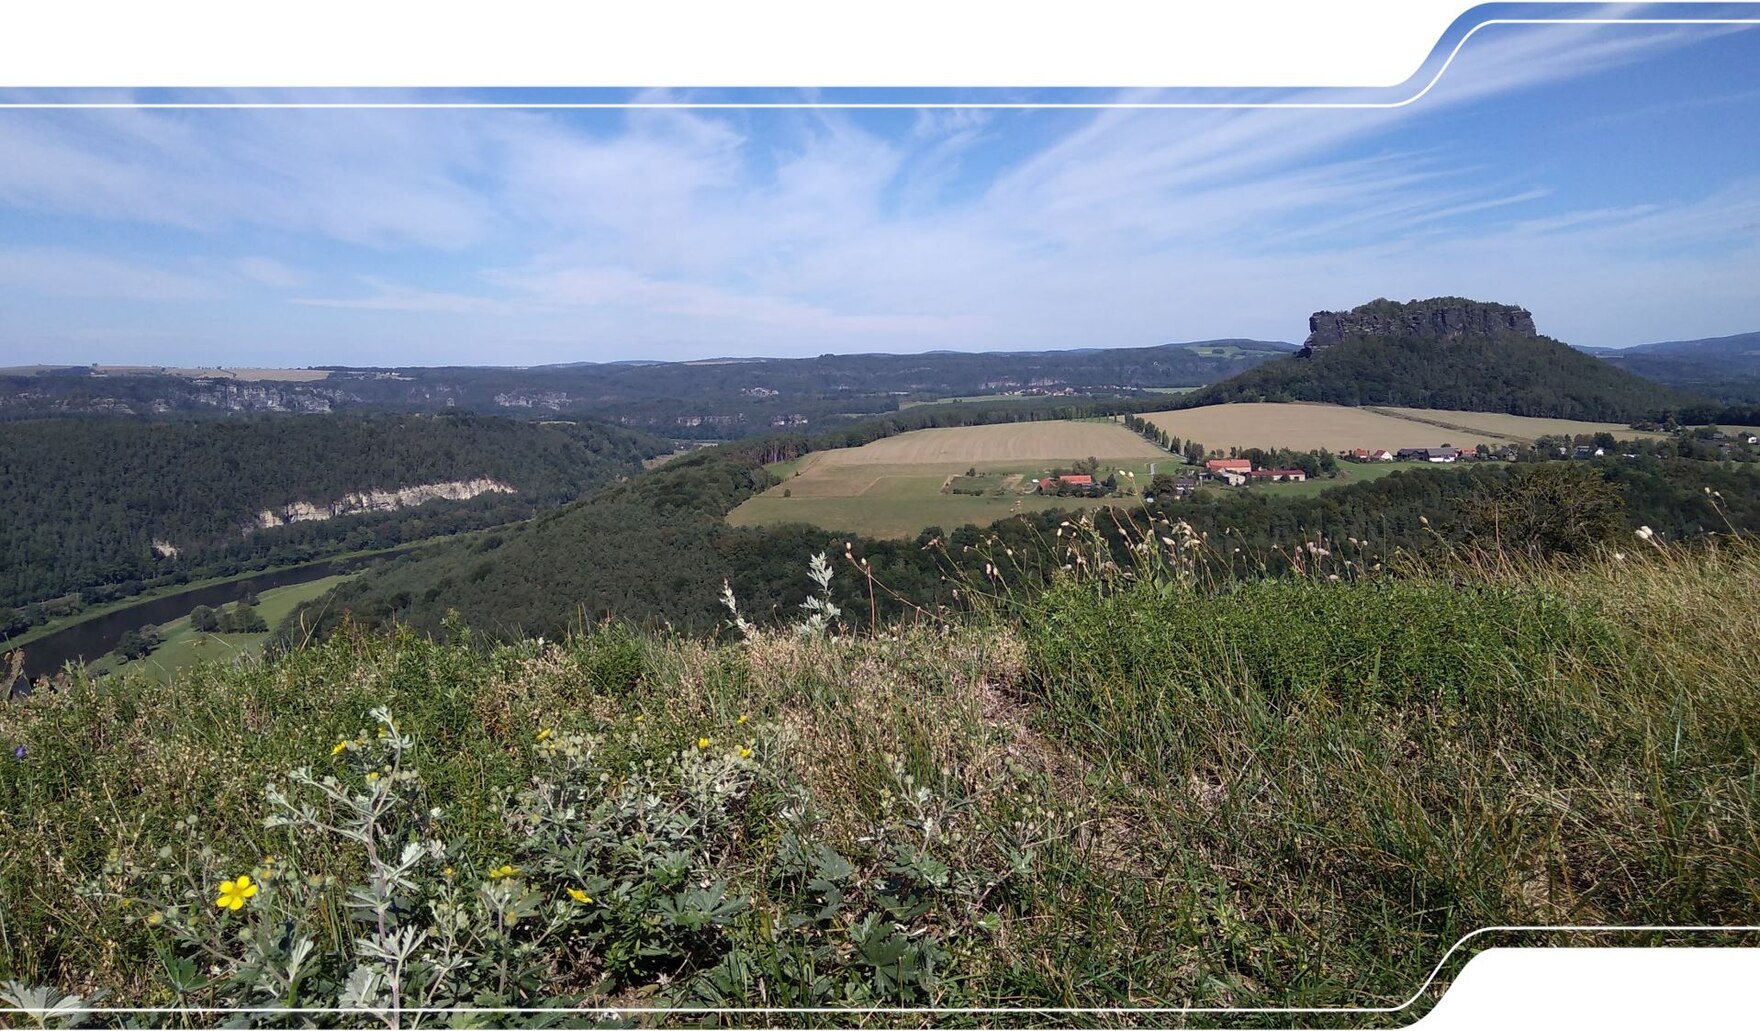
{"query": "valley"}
[(958, 603), (941, 517)]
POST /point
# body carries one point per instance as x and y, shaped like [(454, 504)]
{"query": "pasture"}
[(1305, 426), (185, 646), (894, 487)]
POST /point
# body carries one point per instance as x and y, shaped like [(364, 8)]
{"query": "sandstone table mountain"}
[(1446, 352), (1442, 318)]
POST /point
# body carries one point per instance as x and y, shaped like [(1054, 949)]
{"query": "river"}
[(94, 637)]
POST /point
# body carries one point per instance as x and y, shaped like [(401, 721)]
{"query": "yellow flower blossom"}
[(638, 717), (339, 748), (742, 719), (372, 777), (580, 896), (234, 893), (703, 742), (544, 735), (503, 872), (447, 873), (745, 753), (155, 918)]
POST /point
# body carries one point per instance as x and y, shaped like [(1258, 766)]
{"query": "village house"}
[(1238, 465), (1295, 475), (1427, 454), (1367, 455), (1074, 482)]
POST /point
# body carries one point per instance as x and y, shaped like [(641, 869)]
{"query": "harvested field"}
[(1006, 442), (894, 487), (1304, 427), (1517, 428), (256, 375)]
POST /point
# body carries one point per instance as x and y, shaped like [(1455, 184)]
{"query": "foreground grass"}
[(1286, 793)]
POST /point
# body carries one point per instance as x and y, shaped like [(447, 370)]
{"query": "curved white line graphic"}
[(964, 1010), (894, 105), (610, 1012)]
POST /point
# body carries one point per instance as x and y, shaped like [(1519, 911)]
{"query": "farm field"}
[(1348, 473), (893, 487), (1304, 426), (185, 646), (1055, 441), (1515, 428), (902, 405)]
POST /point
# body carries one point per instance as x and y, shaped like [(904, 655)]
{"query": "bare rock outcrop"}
[(1439, 318), (377, 501)]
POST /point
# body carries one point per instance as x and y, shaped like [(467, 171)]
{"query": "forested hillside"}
[(83, 501), (656, 551), (1445, 353), (1723, 368), (715, 399)]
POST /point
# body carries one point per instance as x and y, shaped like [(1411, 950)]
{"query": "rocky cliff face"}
[(377, 501), (1440, 318)]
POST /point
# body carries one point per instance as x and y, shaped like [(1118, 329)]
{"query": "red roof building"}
[(1239, 465), (1053, 483)]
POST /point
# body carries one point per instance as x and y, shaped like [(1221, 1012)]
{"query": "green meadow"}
[(184, 646)]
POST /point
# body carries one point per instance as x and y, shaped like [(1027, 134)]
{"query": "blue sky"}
[(1607, 178)]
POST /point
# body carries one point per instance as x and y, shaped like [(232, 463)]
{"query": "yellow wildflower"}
[(339, 748), (544, 735), (373, 776), (503, 872), (447, 873), (155, 918), (234, 893), (580, 896), (383, 733), (742, 719), (745, 753), (638, 717), (703, 742)]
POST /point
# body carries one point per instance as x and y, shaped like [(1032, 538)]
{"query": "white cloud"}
[(713, 232), (62, 272)]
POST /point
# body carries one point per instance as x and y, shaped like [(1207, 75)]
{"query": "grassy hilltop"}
[(1143, 790)]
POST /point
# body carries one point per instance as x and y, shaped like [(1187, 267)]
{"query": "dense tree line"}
[(83, 501)]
